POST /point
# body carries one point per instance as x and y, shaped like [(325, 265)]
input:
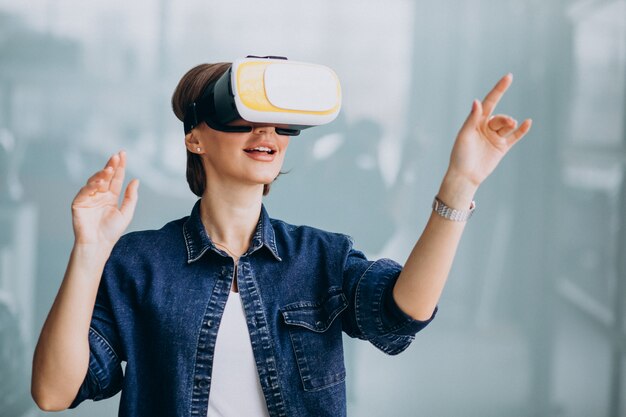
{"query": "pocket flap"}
[(316, 316)]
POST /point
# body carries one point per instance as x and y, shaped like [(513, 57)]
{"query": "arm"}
[(480, 145), (62, 353)]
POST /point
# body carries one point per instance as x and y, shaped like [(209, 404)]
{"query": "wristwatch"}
[(452, 214)]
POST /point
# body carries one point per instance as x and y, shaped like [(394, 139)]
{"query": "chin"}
[(266, 177), (266, 181)]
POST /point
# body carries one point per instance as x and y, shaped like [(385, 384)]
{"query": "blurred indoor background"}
[(532, 322)]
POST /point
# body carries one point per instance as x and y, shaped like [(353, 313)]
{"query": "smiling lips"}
[(261, 153), (261, 149)]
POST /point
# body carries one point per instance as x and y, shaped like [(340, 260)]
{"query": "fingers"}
[(97, 183), (87, 193), (102, 175), (90, 189), (493, 97), (502, 125), (111, 176), (118, 176), (520, 132), (130, 199)]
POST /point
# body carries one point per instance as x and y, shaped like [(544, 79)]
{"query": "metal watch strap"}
[(452, 214)]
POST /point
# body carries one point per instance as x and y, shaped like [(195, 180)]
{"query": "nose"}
[(260, 130)]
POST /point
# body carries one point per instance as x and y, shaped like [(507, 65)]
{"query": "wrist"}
[(94, 252), (457, 191)]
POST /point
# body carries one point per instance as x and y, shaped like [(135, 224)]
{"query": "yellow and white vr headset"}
[(291, 95)]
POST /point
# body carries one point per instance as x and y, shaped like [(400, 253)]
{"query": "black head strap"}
[(203, 110)]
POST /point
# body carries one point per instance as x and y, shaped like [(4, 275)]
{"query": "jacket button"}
[(204, 383), (209, 323)]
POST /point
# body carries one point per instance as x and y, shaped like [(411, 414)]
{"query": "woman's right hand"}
[(96, 217), (61, 358)]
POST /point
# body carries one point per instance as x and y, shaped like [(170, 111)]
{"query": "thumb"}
[(474, 117), (130, 200)]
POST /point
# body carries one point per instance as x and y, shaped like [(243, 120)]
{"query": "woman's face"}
[(250, 158)]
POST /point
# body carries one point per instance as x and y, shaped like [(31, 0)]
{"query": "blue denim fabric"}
[(162, 296)]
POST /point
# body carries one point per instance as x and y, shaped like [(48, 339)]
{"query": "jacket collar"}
[(198, 241)]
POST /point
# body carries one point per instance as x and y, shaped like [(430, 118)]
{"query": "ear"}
[(193, 143)]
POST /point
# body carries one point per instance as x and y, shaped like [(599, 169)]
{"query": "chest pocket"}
[(316, 339)]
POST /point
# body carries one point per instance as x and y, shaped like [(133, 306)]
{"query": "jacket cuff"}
[(374, 295), (104, 374), (404, 323)]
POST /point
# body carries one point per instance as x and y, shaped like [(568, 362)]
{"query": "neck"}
[(230, 216)]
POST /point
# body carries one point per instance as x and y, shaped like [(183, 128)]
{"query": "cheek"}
[(281, 158), (283, 149), (285, 142)]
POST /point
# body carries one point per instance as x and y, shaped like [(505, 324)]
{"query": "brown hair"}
[(188, 90)]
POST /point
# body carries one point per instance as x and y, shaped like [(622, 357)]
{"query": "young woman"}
[(227, 311)]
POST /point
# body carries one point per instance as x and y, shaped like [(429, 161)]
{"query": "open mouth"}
[(261, 149)]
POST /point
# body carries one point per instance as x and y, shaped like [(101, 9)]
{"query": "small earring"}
[(198, 149)]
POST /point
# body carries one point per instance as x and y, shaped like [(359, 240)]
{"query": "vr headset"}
[(271, 90)]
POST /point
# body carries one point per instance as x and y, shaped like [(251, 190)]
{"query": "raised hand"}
[(484, 139), (96, 217)]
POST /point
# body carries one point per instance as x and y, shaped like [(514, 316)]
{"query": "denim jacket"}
[(161, 299)]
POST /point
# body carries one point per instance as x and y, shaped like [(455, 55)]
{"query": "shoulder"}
[(143, 242), (283, 227), (302, 234)]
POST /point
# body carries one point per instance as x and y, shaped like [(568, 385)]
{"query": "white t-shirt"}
[(235, 387)]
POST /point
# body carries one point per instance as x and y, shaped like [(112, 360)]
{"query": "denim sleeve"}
[(104, 374), (373, 313)]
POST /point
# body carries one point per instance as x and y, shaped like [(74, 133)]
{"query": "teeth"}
[(261, 149)]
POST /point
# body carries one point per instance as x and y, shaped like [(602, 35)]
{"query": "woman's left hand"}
[(484, 139)]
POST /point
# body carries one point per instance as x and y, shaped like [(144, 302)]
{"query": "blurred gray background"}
[(532, 322)]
